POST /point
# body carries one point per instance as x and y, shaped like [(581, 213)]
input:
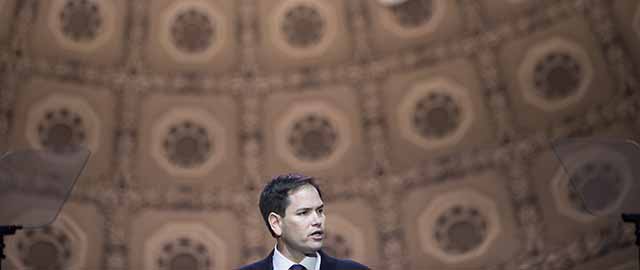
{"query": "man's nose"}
[(318, 219)]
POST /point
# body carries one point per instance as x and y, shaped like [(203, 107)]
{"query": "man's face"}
[(303, 222)]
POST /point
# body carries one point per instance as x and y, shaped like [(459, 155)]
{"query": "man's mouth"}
[(317, 235)]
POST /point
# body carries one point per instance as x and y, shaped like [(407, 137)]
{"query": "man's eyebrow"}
[(309, 208)]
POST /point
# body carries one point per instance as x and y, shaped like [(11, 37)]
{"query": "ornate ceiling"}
[(426, 123)]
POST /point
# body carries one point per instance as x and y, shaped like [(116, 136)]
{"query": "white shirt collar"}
[(280, 262)]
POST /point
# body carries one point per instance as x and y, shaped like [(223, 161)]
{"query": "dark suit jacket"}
[(326, 263)]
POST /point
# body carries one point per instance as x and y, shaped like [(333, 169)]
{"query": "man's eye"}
[(320, 211)]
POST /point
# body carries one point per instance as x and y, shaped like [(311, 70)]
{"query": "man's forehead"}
[(306, 188), (304, 196)]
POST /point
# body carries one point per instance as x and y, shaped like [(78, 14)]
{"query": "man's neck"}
[(291, 254)]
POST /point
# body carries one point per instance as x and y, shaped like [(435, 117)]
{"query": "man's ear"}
[(275, 221)]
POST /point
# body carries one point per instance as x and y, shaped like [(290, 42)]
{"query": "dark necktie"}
[(297, 267)]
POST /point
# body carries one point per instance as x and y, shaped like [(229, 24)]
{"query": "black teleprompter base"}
[(6, 231)]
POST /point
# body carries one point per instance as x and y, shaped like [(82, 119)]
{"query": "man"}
[(292, 208)]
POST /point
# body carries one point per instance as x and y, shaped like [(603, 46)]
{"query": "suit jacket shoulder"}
[(327, 263), (331, 263)]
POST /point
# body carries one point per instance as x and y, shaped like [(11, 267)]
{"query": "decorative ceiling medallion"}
[(82, 25), (458, 226), (554, 74), (61, 120), (435, 113), (188, 142), (61, 245), (413, 18), (178, 246), (312, 135), (303, 28), (184, 253), (193, 31), (344, 239), (597, 173)]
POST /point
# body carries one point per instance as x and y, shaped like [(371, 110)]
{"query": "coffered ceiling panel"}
[(317, 132), (52, 114), (464, 223), (189, 142), (73, 241), (556, 73), (89, 31), (298, 33), (193, 35), (562, 208), (435, 110), (179, 240)]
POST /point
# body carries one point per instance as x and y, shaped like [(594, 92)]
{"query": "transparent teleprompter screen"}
[(34, 184), (602, 175)]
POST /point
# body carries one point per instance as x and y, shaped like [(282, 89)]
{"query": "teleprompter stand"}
[(6, 231)]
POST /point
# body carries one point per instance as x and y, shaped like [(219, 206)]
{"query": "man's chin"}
[(315, 246)]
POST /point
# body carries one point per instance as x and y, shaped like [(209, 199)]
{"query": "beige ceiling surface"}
[(426, 123)]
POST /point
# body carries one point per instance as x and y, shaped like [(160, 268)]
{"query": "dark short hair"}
[(275, 195)]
